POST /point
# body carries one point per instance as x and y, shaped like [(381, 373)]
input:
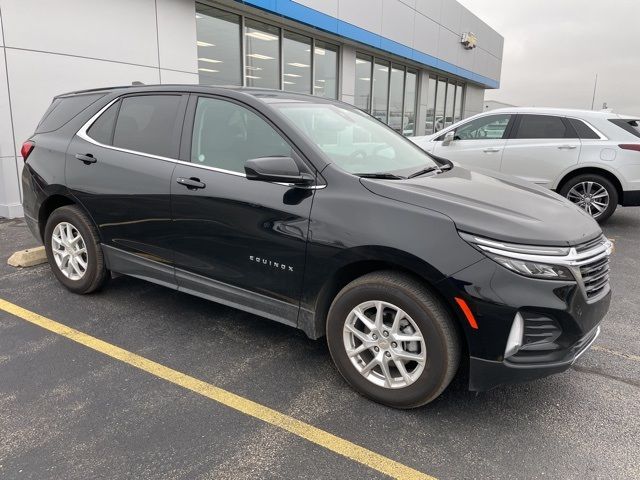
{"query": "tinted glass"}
[(226, 135), (582, 129), (410, 104), (64, 109), (102, 129), (262, 55), (218, 43), (396, 97), (380, 90), (326, 70), (459, 102), (431, 106), (451, 93), (541, 126), (296, 50), (485, 128), (353, 140), (148, 124), (630, 125), (363, 83)]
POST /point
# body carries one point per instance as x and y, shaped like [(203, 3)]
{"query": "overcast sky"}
[(554, 48)]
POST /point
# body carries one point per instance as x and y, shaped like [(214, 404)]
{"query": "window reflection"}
[(431, 106), (440, 104), (218, 44), (396, 97), (296, 51), (262, 55), (459, 103), (409, 118)]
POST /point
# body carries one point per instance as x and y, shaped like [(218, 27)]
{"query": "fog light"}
[(514, 342)]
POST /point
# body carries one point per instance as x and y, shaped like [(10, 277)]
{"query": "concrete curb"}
[(28, 258)]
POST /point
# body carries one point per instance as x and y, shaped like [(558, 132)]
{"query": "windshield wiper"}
[(424, 170), (382, 175)]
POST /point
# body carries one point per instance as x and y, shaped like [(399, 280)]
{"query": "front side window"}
[(541, 126), (226, 135), (491, 127), (147, 123), (354, 141)]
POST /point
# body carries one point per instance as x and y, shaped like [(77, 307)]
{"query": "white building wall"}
[(77, 44)]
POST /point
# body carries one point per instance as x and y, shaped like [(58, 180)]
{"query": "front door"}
[(119, 168), (478, 143), (240, 242)]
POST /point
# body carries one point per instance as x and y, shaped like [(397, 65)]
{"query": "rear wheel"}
[(73, 250), (594, 193), (392, 340)]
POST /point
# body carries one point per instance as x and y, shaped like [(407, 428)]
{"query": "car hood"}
[(494, 205)]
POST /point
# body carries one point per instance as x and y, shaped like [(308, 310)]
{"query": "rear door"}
[(478, 143), (119, 168), (238, 241), (540, 148)]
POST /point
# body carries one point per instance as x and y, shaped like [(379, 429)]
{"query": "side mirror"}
[(276, 169), (448, 138)]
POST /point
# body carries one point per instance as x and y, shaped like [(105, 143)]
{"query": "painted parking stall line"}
[(268, 415)]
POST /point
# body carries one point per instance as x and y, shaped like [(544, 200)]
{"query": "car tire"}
[(73, 250), (577, 188), (421, 313)]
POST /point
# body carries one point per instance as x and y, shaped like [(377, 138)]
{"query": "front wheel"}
[(392, 340), (594, 193)]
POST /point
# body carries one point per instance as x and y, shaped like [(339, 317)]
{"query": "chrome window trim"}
[(82, 133), (594, 129)]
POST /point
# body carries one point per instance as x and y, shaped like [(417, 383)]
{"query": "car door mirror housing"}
[(448, 138), (276, 169)]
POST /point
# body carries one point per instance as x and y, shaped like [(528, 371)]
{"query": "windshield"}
[(355, 141)]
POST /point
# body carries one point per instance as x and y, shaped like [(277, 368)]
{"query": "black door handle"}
[(86, 158), (192, 183)]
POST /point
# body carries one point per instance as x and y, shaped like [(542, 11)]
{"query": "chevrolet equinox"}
[(309, 212)]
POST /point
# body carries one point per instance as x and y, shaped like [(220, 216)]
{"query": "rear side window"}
[(542, 126), (148, 124), (582, 129), (631, 126), (63, 109), (102, 129)]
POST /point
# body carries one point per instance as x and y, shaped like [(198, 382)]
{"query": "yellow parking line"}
[(304, 430)]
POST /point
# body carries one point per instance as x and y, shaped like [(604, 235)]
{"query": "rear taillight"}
[(27, 148), (630, 146)]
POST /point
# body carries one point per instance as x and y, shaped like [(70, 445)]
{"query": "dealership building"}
[(417, 65)]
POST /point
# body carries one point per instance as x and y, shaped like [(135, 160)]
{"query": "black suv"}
[(311, 213)]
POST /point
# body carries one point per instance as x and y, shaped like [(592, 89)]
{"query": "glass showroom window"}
[(396, 97), (380, 94), (431, 106), (363, 82), (218, 35), (451, 98), (459, 102), (441, 93), (262, 55), (409, 117), (296, 52), (325, 67)]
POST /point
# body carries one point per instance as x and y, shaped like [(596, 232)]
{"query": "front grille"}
[(594, 268)]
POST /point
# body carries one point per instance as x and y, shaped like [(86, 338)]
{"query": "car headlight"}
[(527, 260)]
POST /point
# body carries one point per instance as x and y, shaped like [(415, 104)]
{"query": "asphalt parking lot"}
[(67, 411)]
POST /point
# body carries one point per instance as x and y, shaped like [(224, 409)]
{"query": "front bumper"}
[(560, 323), (487, 374)]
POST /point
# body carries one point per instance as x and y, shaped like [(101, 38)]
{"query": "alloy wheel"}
[(384, 344), (592, 197), (69, 251)]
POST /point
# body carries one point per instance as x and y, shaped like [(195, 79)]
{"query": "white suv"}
[(591, 158)]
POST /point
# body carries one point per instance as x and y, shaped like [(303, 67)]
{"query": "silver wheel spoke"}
[(388, 355), (69, 251)]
